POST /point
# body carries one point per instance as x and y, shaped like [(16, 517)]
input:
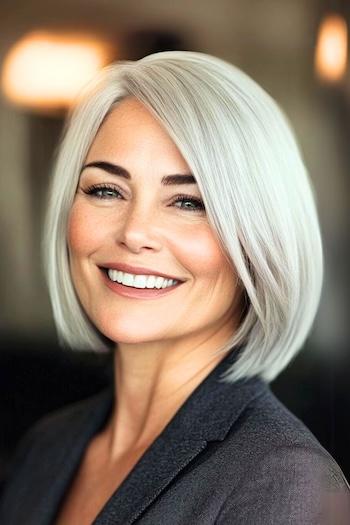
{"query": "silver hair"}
[(257, 193)]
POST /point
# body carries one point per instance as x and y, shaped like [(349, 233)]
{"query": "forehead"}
[(131, 116), (130, 109)]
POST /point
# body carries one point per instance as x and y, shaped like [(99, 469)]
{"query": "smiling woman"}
[(181, 235)]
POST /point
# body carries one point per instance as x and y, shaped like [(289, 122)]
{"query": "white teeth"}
[(159, 282), (150, 281), (113, 275), (128, 279), (140, 281)]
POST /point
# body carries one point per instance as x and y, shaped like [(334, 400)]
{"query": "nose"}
[(139, 230)]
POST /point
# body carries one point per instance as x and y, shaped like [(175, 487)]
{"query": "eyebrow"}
[(114, 169)]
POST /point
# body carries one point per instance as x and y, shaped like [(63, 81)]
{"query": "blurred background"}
[(297, 51)]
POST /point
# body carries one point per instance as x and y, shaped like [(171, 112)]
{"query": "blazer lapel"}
[(158, 466), (207, 415)]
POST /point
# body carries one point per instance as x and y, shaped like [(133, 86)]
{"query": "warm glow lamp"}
[(46, 70), (331, 48)]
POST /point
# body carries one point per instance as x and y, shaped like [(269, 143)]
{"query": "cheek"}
[(83, 231), (203, 253)]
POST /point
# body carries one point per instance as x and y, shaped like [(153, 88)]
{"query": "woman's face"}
[(131, 217)]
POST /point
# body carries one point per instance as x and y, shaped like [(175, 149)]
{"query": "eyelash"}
[(94, 188)]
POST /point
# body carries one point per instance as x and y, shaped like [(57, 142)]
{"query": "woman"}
[(181, 235)]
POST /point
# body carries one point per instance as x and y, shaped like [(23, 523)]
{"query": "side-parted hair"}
[(256, 191)]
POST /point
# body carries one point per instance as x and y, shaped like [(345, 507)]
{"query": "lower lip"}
[(137, 293)]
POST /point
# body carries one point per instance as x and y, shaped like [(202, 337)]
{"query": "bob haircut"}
[(255, 187)]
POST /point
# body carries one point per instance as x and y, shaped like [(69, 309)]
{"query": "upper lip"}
[(137, 270)]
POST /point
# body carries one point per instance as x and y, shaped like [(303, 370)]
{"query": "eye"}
[(196, 204), (109, 192), (103, 191)]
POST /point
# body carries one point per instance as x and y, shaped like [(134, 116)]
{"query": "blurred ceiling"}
[(266, 38), (223, 25)]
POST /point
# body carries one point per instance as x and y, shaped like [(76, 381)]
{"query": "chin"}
[(129, 333), (133, 327)]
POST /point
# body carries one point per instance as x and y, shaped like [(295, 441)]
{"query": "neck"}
[(152, 381)]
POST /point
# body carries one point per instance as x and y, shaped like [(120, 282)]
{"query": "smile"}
[(140, 281), (130, 286)]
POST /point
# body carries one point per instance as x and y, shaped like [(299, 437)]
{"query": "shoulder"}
[(274, 434), (282, 473), (54, 432)]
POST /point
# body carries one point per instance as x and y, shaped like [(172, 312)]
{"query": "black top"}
[(232, 454)]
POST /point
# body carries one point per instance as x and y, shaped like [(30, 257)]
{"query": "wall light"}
[(46, 70), (331, 49)]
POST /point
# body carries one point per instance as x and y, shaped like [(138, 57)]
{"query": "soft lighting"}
[(331, 49), (47, 70)]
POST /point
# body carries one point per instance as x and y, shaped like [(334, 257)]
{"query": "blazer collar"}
[(207, 415)]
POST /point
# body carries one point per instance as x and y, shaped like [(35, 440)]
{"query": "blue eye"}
[(102, 191), (109, 192), (198, 204)]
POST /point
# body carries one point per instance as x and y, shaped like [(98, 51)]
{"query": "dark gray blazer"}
[(232, 454)]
